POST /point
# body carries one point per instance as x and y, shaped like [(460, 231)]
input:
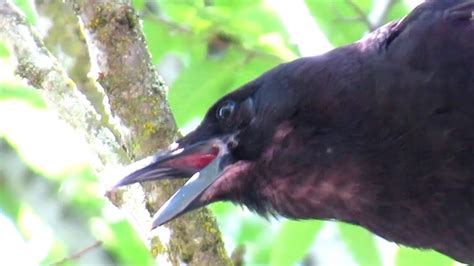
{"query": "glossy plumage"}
[(379, 133)]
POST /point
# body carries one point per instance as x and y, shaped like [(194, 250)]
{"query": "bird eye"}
[(226, 110)]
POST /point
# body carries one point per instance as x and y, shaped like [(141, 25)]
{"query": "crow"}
[(378, 133)]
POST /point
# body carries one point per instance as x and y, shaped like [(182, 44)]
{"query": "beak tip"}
[(120, 183), (127, 180), (156, 223)]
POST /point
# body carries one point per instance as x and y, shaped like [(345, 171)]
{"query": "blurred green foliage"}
[(3, 51), (219, 45), (408, 256), (361, 244)]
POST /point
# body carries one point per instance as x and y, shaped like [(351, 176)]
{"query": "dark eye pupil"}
[(226, 110)]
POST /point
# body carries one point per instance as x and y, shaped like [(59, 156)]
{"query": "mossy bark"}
[(135, 120)]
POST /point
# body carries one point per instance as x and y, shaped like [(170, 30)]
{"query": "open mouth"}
[(203, 161)]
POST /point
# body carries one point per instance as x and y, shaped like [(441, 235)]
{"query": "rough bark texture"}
[(65, 41), (136, 121), (42, 70)]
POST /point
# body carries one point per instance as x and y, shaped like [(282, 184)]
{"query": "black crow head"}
[(221, 152), (378, 133)]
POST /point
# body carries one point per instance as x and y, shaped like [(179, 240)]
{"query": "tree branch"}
[(41, 70), (78, 254), (361, 16), (64, 39), (136, 94), (377, 16)]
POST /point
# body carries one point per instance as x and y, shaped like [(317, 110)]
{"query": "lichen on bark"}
[(135, 93)]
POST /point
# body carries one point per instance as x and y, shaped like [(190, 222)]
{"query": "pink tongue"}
[(197, 161)]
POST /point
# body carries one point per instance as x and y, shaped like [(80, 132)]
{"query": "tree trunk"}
[(121, 110)]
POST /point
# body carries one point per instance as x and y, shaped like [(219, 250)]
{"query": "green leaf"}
[(27, 7), (223, 208), (252, 69), (261, 254), (409, 257), (164, 39), (251, 229), (200, 85), (255, 235), (248, 23), (294, 241), (27, 94), (121, 240), (57, 252), (336, 19), (244, 22), (188, 13), (139, 5), (361, 244), (3, 51), (9, 202), (398, 10)]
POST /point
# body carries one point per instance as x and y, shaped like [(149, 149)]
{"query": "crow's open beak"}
[(203, 161)]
